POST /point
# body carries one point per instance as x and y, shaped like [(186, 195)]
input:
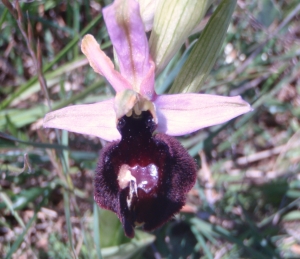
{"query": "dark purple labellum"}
[(143, 178)]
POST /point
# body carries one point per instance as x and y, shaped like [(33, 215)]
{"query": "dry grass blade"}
[(10, 7), (41, 77)]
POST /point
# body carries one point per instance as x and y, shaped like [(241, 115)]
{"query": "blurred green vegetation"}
[(246, 201)]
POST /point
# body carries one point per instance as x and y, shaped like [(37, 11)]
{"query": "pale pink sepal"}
[(102, 64), (126, 31), (185, 113), (98, 119)]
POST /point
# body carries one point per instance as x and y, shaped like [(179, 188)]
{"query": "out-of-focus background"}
[(246, 201)]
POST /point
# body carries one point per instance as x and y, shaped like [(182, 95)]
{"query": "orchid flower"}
[(142, 176)]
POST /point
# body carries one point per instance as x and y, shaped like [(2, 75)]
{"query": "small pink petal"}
[(181, 114), (102, 64), (126, 31), (147, 85), (98, 119)]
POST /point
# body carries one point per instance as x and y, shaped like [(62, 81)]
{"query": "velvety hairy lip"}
[(165, 167)]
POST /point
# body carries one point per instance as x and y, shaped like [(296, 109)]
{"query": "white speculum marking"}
[(135, 177)]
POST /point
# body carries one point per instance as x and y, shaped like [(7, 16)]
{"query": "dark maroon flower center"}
[(143, 178)]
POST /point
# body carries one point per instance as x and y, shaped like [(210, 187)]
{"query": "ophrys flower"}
[(142, 176)]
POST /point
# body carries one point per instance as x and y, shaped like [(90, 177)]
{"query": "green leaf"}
[(174, 21), (292, 216), (166, 78), (111, 231), (202, 58), (109, 235), (130, 249)]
